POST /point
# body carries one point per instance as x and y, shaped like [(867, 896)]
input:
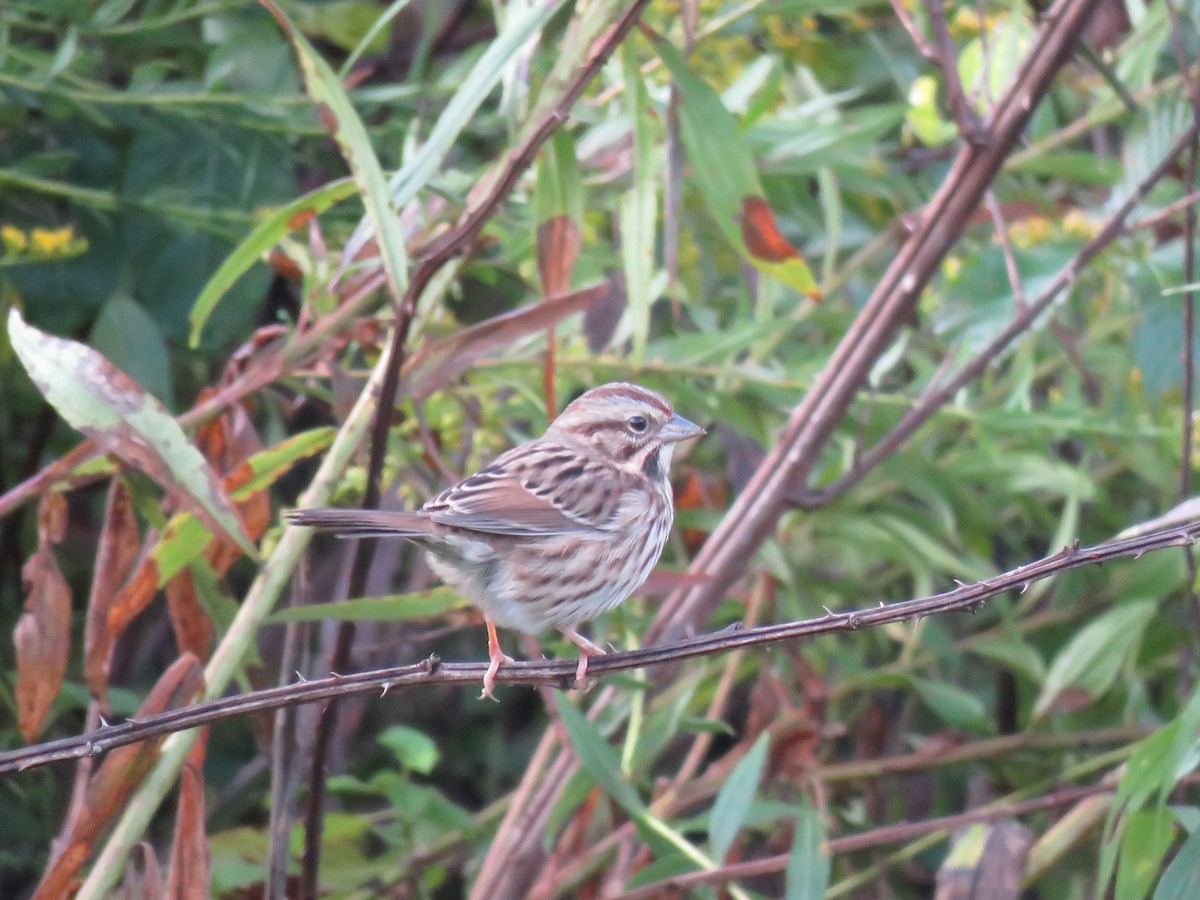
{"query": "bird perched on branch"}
[(557, 530)]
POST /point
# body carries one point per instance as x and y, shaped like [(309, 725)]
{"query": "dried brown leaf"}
[(189, 874), (115, 558), (43, 634), (119, 774), (193, 628), (557, 250)]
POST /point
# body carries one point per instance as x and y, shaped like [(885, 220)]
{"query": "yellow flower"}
[(50, 241), (14, 239)]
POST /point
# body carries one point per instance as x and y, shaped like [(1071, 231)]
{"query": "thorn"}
[(387, 686), (882, 605), (961, 584), (132, 721), (103, 721), (300, 677), (1024, 586), (734, 627), (829, 612), (431, 663), (333, 674)]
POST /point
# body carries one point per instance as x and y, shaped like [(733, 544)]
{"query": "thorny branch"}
[(561, 673)]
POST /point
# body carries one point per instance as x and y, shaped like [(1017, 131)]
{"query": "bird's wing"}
[(531, 491)]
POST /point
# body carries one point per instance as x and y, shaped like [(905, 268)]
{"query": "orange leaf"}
[(43, 633), (189, 874), (115, 558), (557, 250), (761, 234), (189, 620), (121, 771)]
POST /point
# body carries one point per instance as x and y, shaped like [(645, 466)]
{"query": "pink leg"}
[(586, 650), (497, 656)]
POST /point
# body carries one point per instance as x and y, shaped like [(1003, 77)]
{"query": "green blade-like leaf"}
[(808, 865), (337, 113), (266, 234), (728, 180), (599, 758), (1093, 658), (1181, 880), (396, 608), (112, 409), (735, 798)]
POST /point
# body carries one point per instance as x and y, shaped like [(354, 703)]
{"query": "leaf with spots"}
[(112, 409)]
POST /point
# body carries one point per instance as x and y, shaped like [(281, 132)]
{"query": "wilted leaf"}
[(558, 212), (193, 628), (43, 633), (438, 362), (986, 862), (114, 559), (189, 874), (124, 420), (121, 771)]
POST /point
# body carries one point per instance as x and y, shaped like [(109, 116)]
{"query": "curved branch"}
[(561, 673)]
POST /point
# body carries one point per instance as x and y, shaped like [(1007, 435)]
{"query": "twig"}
[(1092, 388), (969, 124), (559, 672)]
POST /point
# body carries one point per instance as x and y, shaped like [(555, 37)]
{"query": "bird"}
[(557, 530)]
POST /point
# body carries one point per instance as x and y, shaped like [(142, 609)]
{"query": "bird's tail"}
[(362, 522)]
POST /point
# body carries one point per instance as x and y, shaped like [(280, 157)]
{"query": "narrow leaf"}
[(598, 758), (807, 873), (338, 115), (735, 798), (1181, 880), (115, 558)]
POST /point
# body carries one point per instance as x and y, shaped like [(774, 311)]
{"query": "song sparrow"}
[(557, 530)]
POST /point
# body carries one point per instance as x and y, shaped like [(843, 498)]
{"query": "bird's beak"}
[(679, 429)]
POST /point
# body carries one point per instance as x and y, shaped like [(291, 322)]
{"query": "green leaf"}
[(265, 235), (807, 873), (735, 797), (1181, 880), (954, 705), (338, 115), (414, 749), (146, 359), (728, 180), (112, 409), (1092, 659), (1147, 838), (598, 758), (1011, 651), (396, 608)]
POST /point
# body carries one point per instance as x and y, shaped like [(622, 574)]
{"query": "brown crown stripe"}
[(624, 391)]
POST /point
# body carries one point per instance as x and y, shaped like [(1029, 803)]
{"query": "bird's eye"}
[(638, 424)]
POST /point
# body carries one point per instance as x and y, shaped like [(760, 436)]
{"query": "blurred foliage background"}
[(734, 182)]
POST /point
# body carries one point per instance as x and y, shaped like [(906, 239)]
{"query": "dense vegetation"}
[(922, 271)]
